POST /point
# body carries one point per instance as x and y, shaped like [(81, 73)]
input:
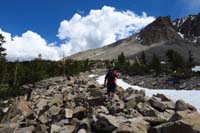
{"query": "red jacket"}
[(115, 74)]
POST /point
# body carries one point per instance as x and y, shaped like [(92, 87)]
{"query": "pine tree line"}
[(175, 65)]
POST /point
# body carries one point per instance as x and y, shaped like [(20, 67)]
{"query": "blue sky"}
[(44, 17)]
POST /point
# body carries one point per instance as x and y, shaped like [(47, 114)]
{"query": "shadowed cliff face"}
[(189, 27), (160, 30)]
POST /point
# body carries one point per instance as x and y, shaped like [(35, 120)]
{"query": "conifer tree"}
[(155, 64), (2, 50)]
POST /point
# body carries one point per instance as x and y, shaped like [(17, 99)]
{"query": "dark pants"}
[(111, 87), (29, 91)]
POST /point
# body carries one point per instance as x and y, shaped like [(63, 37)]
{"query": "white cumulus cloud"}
[(28, 47), (99, 28)]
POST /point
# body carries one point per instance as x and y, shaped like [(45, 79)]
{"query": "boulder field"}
[(79, 104)]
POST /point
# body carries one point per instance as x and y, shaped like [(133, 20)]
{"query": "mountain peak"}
[(160, 30), (189, 27)]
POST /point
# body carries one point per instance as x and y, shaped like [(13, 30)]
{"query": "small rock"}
[(68, 113), (65, 98), (154, 83), (180, 105), (68, 129), (168, 114), (56, 100), (173, 127), (191, 107), (95, 101), (75, 121), (141, 83), (102, 109), (154, 121), (63, 122), (51, 89), (54, 110), (10, 125), (170, 105), (183, 86), (6, 130), (132, 127), (102, 125), (5, 102), (55, 129), (134, 113), (42, 103), (85, 124), (82, 131), (42, 128), (44, 118), (25, 130), (5, 110), (24, 107), (133, 100), (162, 97), (112, 119), (191, 118), (119, 106), (79, 112)]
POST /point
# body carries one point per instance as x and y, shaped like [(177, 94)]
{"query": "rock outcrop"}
[(80, 104), (189, 27), (160, 30)]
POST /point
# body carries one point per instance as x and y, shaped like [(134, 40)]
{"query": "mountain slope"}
[(128, 46), (157, 37)]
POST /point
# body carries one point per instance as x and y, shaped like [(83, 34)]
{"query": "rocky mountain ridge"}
[(159, 30), (189, 27), (80, 104), (157, 37)]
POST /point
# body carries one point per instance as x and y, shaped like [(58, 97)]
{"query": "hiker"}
[(110, 82), (29, 92)]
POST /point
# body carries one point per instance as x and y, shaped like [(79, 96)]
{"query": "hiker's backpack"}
[(110, 76)]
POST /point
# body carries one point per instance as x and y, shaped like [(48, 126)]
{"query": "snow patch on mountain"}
[(196, 69), (181, 35)]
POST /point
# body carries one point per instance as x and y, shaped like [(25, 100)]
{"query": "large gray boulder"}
[(102, 125), (146, 110), (157, 104), (189, 117), (6, 130), (25, 130), (173, 127), (180, 105), (134, 127), (133, 100)]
